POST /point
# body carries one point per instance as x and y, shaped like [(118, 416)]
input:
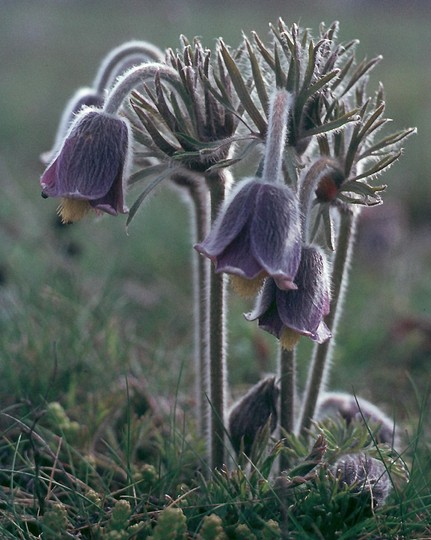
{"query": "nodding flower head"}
[(292, 313), (257, 234), (89, 168), (251, 413)]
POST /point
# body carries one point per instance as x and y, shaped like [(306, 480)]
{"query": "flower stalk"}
[(217, 340), (135, 76), (276, 136), (200, 198)]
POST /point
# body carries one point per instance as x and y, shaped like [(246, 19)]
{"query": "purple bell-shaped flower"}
[(89, 168), (257, 234), (292, 313)]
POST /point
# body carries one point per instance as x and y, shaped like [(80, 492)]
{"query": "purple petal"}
[(303, 310), (276, 233), (113, 202), (237, 257), (231, 220), (266, 310), (322, 333)]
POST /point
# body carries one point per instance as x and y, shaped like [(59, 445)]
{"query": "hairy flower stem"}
[(113, 64), (287, 395), (201, 268), (217, 339), (323, 352), (135, 76), (199, 205), (272, 172), (276, 136), (288, 389)]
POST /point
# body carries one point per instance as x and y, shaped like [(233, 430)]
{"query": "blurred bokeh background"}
[(81, 305)]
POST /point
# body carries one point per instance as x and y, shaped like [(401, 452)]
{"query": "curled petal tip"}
[(285, 283)]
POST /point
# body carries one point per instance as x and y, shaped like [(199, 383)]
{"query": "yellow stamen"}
[(247, 288), (71, 210), (289, 339)]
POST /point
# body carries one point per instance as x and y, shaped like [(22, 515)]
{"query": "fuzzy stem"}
[(276, 136), (200, 198), (135, 76), (287, 394), (111, 66), (199, 204), (323, 352), (217, 338), (287, 389)]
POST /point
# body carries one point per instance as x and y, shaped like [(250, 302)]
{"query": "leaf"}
[(135, 206), (266, 55), (259, 81), (362, 68), (241, 89), (336, 124), (165, 146), (239, 157), (380, 165), (389, 141), (312, 89), (144, 173)]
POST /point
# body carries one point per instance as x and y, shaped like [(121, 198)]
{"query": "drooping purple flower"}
[(89, 169), (257, 232), (289, 314)]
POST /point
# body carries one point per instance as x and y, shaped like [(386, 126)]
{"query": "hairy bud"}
[(251, 414), (363, 474)]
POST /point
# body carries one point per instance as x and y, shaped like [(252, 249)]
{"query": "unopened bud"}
[(252, 413), (354, 409), (363, 474), (329, 184)]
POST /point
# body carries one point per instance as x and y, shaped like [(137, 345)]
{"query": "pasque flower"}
[(257, 233), (89, 168), (292, 313)]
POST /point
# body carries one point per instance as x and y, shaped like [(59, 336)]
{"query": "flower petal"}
[(237, 257), (266, 310), (231, 220), (276, 233), (303, 310)]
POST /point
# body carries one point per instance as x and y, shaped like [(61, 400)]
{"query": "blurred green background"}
[(82, 305)]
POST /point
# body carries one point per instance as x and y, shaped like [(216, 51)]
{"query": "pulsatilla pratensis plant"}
[(295, 109)]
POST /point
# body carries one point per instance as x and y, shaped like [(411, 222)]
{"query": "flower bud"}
[(329, 185), (354, 409), (251, 414), (363, 474)]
